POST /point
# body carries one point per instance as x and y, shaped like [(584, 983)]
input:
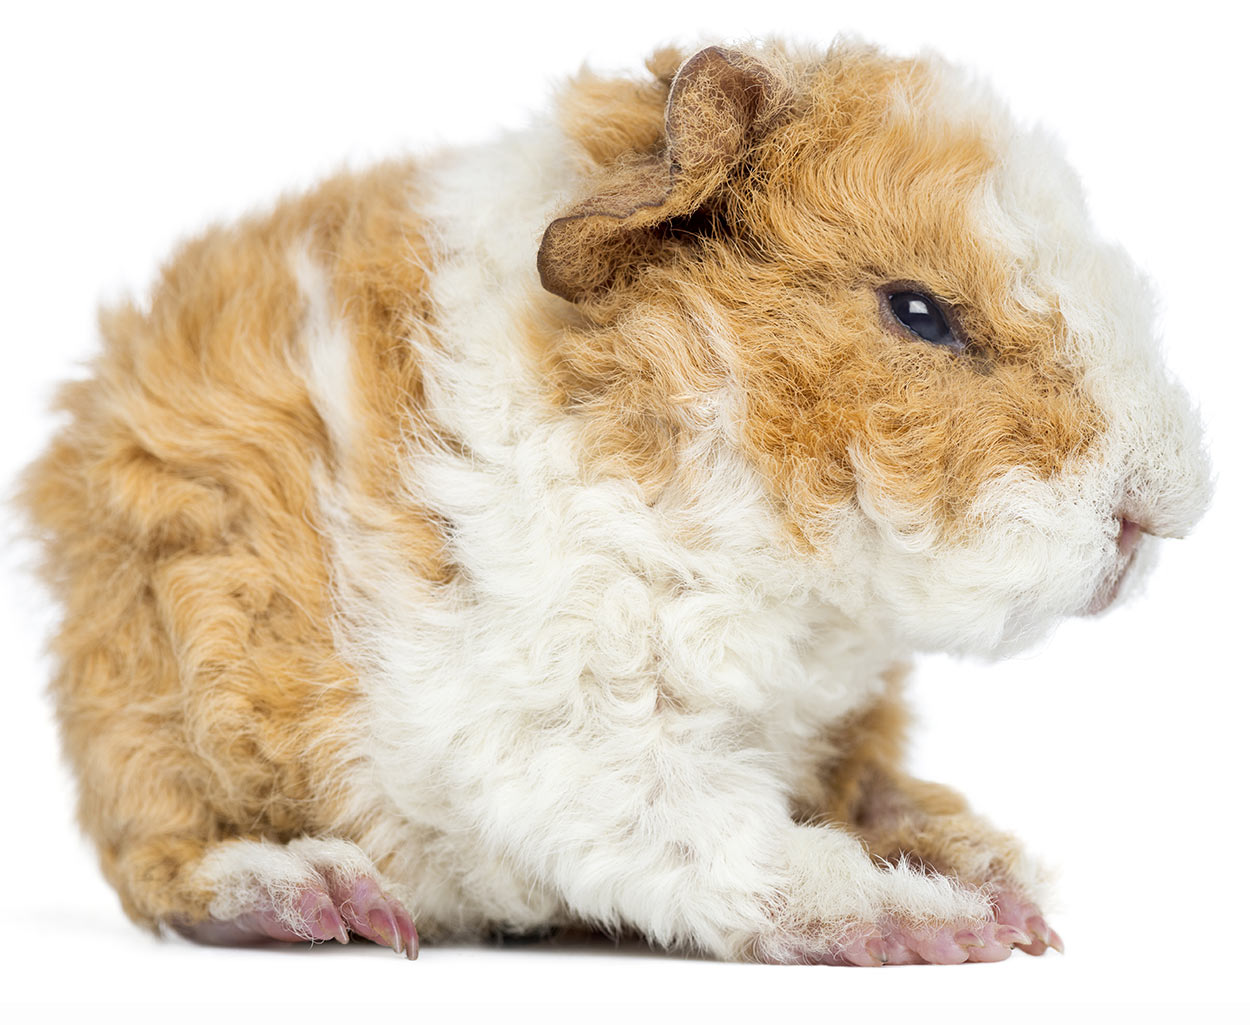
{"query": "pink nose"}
[(1130, 536)]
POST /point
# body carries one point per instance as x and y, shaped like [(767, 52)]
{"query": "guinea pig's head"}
[(949, 385)]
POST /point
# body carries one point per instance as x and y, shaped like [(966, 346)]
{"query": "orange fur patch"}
[(853, 192), (198, 689)]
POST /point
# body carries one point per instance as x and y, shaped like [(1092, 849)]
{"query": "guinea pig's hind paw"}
[(1026, 918), (318, 912), (310, 914), (372, 915)]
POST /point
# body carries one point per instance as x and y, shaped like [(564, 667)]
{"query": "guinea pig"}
[(535, 535)]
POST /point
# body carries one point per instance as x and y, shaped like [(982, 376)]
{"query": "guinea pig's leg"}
[(306, 890), (903, 820), (668, 825)]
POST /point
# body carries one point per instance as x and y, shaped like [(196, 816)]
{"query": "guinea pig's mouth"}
[(1128, 542)]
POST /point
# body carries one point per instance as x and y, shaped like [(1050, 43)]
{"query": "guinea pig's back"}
[(197, 683)]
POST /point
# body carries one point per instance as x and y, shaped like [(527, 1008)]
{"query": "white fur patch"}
[(326, 347)]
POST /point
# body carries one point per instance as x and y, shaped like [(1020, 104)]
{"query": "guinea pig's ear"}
[(718, 104)]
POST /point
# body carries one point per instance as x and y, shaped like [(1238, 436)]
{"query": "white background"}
[(1117, 749)]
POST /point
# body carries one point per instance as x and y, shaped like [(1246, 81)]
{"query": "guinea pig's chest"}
[(578, 614)]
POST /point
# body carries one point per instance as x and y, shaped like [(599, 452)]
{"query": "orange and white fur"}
[(536, 534)]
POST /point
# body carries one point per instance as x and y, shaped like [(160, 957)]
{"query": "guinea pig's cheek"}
[(1026, 554)]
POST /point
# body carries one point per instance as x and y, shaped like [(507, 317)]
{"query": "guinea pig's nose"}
[(1130, 535)]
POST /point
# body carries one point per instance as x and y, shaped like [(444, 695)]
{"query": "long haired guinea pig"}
[(534, 535)]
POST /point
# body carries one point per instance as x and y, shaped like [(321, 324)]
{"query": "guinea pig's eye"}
[(922, 315)]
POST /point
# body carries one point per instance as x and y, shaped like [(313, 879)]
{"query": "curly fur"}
[(585, 604)]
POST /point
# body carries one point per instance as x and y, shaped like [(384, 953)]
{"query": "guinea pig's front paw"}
[(896, 943), (1017, 924)]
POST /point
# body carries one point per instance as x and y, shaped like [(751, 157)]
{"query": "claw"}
[(1042, 936), (865, 952), (1010, 936), (375, 916), (969, 939), (321, 916), (1045, 933), (385, 928), (407, 934)]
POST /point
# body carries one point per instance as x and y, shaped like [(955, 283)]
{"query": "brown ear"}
[(717, 105)]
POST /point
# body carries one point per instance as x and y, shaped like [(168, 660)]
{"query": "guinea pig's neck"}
[(654, 411)]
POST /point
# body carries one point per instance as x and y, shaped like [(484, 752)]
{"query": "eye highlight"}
[(923, 316)]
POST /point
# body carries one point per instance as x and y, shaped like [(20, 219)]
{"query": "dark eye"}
[(922, 316)]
